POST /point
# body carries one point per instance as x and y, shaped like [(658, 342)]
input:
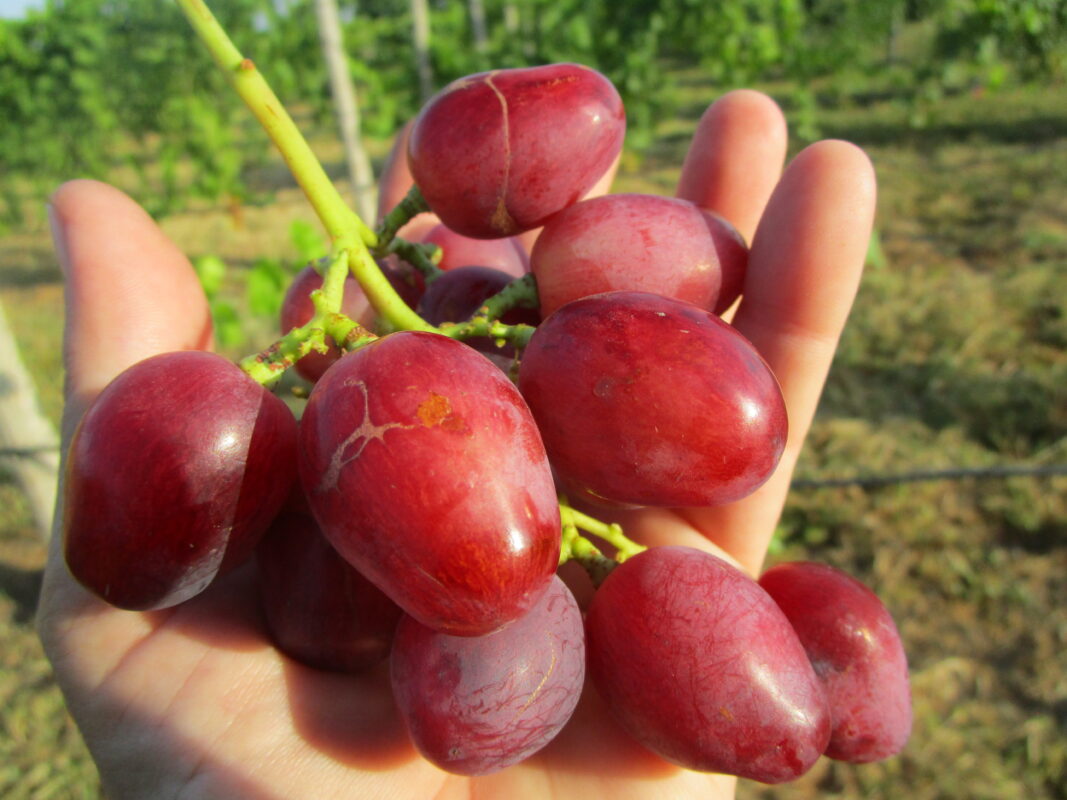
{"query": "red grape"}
[(174, 474), (457, 250), (425, 470), (635, 242), (857, 653), (319, 609), (500, 152), (646, 400), (477, 704), (700, 666), (733, 259)]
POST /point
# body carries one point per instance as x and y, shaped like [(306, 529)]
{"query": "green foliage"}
[(307, 240), (225, 318), (265, 286), (109, 88), (88, 86), (243, 304), (1029, 35)]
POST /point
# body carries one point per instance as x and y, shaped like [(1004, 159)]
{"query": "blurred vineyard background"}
[(954, 357)]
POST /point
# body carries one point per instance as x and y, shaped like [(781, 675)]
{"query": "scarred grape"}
[(425, 470), (500, 152)]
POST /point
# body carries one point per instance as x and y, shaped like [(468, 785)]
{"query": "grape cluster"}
[(419, 509)]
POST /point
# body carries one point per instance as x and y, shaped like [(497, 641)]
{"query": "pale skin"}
[(193, 702)]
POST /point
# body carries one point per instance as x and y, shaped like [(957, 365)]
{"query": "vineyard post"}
[(420, 18), (347, 106), (25, 431)]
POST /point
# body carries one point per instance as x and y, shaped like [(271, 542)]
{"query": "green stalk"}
[(383, 296), (269, 365), (411, 206), (521, 292), (340, 221), (575, 547), (423, 257), (346, 230), (610, 532), (483, 327)]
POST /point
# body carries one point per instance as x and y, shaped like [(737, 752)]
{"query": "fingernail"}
[(59, 239)]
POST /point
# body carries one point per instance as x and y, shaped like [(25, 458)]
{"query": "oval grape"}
[(425, 470), (320, 611), (636, 242), (855, 648), (699, 665), (498, 153), (645, 400), (474, 705), (174, 474)]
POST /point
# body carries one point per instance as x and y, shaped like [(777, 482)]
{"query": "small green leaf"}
[(211, 270), (266, 287), (227, 323), (875, 254), (307, 240)]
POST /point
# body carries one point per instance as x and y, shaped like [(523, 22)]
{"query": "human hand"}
[(193, 701)]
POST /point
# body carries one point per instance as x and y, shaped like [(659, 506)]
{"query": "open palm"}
[(193, 702)]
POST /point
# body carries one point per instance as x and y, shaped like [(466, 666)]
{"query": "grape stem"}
[(407, 209), (267, 366), (482, 327), (486, 323), (340, 221), (349, 235), (578, 548), (520, 293), (346, 230), (423, 257)]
